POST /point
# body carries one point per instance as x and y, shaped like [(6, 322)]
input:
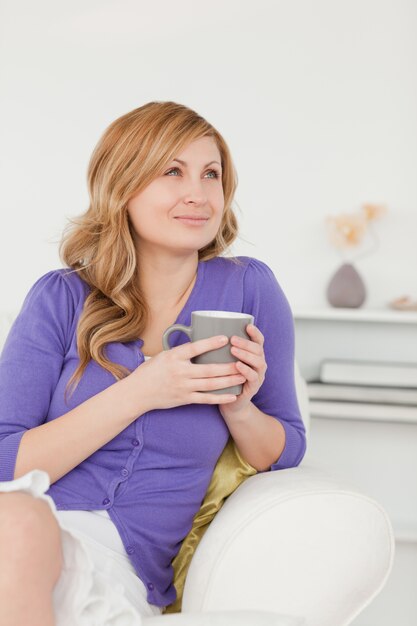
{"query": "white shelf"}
[(400, 419), (357, 315)]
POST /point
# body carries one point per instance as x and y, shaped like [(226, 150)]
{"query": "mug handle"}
[(171, 329)]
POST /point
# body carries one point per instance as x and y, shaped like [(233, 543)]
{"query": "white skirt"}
[(98, 586)]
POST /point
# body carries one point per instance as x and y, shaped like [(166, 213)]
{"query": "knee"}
[(24, 516), (28, 526)]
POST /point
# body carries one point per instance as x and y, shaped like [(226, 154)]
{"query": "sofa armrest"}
[(296, 542), (223, 618)]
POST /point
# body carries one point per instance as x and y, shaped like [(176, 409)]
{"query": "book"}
[(369, 373), (363, 411), (361, 393)]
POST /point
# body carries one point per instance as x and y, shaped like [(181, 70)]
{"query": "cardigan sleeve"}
[(31, 363), (266, 301)]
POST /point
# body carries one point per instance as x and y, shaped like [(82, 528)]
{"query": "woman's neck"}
[(167, 285)]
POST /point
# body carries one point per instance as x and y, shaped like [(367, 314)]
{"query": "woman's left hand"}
[(251, 365)]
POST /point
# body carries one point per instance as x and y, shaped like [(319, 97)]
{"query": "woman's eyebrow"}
[(206, 165)]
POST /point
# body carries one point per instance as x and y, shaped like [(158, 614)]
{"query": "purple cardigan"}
[(153, 476)]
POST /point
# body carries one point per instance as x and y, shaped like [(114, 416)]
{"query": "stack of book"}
[(365, 390)]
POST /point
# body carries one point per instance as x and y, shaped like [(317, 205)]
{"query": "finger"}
[(254, 360), (208, 370), (220, 382), (246, 344), (250, 374), (199, 397), (253, 331), (194, 348)]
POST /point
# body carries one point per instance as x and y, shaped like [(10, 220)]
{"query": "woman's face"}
[(192, 189)]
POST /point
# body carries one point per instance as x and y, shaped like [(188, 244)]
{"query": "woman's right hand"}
[(170, 379)]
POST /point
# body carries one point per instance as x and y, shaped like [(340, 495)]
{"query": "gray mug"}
[(205, 324)]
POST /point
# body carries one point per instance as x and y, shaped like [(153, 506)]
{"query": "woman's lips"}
[(192, 221)]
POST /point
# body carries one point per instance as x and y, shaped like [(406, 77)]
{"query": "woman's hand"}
[(252, 365), (170, 379)]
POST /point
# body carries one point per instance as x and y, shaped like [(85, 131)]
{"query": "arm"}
[(30, 367), (259, 437), (269, 368), (62, 444)]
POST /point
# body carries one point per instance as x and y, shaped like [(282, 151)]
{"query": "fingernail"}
[(223, 339)]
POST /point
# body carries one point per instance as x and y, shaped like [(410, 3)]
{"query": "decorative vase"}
[(346, 288)]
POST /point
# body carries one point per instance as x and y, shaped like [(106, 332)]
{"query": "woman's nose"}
[(195, 192)]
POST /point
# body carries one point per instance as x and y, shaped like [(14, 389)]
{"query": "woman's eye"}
[(177, 169), (215, 172)]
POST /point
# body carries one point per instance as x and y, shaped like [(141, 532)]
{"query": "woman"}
[(107, 442)]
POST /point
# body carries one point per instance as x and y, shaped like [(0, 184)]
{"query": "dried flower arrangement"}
[(347, 230)]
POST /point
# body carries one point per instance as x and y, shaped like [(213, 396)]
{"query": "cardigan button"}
[(125, 472), (135, 442), (106, 501), (130, 549), (150, 586)]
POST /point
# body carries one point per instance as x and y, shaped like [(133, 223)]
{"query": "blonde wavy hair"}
[(99, 246)]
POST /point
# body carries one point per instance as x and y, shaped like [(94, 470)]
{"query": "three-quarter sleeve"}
[(266, 301), (31, 363)]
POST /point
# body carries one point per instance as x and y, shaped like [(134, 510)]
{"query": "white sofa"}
[(292, 547)]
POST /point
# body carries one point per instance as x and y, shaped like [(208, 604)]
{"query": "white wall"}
[(317, 100)]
